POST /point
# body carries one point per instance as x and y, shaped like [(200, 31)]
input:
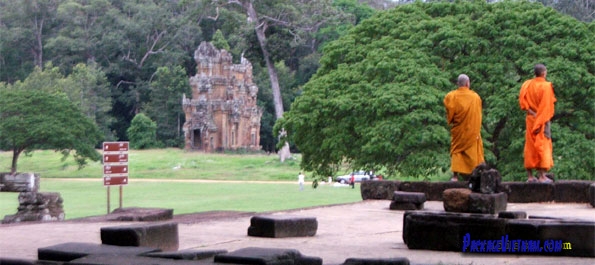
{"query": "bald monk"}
[(537, 100), (463, 115)]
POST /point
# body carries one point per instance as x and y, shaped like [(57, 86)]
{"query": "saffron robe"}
[(463, 114), (537, 95)]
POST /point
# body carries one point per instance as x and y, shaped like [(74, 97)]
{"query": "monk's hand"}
[(531, 112)]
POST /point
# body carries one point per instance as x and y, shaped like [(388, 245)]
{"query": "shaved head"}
[(539, 70), (463, 80)]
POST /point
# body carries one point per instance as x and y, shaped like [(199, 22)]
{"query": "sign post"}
[(115, 167)]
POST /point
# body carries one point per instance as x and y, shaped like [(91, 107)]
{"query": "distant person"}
[(352, 181), (537, 99), (301, 178), (463, 115)]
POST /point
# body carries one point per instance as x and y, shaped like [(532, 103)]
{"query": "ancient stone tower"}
[(222, 114)]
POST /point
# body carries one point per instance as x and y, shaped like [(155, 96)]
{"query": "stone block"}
[(17, 261), (189, 254), (163, 236), (405, 206), (413, 197), (484, 179), (141, 214), (444, 231), (123, 259), (365, 261), (592, 194), (456, 200), (278, 226), (554, 235), (74, 250), (579, 234), (37, 206), (571, 191), (433, 190), (378, 189), (267, 256), (512, 215), (19, 182), (487, 203), (523, 192)]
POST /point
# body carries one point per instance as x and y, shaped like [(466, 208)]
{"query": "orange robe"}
[(537, 95), (463, 114)]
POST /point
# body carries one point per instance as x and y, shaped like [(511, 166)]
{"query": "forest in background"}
[(117, 58)]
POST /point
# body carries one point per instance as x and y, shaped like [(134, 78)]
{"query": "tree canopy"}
[(35, 119), (376, 100)]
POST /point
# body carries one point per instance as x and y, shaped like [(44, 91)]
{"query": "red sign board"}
[(115, 163), (115, 158), (115, 169), (115, 181), (115, 146)]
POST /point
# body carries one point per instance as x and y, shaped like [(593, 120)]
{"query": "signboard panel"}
[(115, 163), (115, 169), (107, 181), (115, 158), (115, 146)]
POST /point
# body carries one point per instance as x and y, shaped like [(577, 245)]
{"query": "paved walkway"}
[(366, 229)]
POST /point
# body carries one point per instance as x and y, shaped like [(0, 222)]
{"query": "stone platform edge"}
[(575, 191)]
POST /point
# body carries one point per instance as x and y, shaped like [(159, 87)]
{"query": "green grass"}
[(164, 164), (89, 198), (154, 182)]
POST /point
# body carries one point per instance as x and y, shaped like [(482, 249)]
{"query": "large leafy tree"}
[(376, 100), (165, 106), (35, 119)]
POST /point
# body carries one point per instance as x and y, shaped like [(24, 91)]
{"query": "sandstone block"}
[(19, 182), (267, 256), (363, 261), (484, 179), (413, 197), (558, 237), (592, 194), (124, 259), (141, 214), (404, 206), (278, 226), (487, 203), (571, 191), (445, 231), (512, 215), (163, 236), (73, 250), (524, 192), (378, 189), (189, 254), (456, 200)]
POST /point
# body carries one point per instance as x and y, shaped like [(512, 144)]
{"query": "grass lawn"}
[(89, 197), (171, 178)]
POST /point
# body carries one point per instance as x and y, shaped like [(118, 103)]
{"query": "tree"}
[(165, 106), (34, 119), (219, 41), (376, 100), (142, 132)]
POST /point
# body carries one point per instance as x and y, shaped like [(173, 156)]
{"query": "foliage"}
[(165, 105), (376, 100), (35, 119), (142, 132), (219, 41)]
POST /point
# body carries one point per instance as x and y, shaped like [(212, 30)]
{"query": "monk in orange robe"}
[(463, 115), (537, 99)]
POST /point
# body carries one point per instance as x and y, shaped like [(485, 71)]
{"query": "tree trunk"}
[(15, 157), (260, 35), (260, 29)]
